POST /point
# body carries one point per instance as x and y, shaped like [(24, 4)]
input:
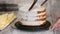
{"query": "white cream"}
[(32, 23), (29, 17)]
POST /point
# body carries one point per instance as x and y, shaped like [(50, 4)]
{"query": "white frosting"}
[(29, 17), (32, 23)]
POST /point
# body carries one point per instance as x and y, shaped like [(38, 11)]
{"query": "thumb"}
[(53, 28)]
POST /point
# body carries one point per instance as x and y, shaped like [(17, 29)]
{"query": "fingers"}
[(55, 26)]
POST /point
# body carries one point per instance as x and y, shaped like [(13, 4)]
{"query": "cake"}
[(34, 17)]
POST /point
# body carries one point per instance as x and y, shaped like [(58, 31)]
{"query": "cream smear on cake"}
[(28, 17)]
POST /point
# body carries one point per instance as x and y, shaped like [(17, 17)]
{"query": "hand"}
[(56, 25)]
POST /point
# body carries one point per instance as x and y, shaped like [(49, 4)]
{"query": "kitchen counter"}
[(10, 30)]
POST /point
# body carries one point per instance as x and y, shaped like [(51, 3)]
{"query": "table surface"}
[(10, 30)]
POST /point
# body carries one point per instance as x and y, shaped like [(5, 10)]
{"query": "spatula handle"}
[(33, 5), (43, 2)]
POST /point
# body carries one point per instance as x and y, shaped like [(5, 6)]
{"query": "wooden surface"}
[(53, 11)]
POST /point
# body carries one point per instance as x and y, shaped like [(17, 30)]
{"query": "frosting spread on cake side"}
[(36, 16)]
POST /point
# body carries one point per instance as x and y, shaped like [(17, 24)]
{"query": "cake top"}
[(25, 9)]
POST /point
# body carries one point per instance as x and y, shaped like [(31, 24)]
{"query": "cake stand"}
[(33, 28)]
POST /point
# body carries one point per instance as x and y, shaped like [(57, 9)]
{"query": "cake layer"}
[(30, 14), (40, 19), (33, 23), (31, 18), (44, 10)]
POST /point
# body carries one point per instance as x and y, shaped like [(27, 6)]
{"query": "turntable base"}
[(33, 28)]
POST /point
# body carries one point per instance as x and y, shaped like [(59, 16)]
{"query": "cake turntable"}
[(33, 28)]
